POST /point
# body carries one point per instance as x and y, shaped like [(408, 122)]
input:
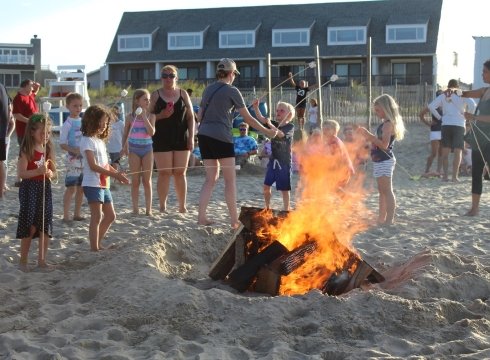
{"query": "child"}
[(36, 168), (334, 147), (279, 167), (96, 170), (390, 129), (70, 136), (114, 143), (137, 140), (312, 116)]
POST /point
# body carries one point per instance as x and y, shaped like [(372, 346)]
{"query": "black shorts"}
[(215, 149), (3, 150), (452, 136)]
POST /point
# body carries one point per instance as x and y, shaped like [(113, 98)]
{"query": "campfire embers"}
[(255, 261)]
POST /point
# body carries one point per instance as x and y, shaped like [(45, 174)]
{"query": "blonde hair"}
[(289, 107), (138, 93), (331, 124), (313, 102), (392, 113), (171, 68)]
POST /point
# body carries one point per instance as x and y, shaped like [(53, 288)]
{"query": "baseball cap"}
[(227, 65)]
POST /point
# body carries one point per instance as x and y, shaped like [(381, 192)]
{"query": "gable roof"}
[(373, 14)]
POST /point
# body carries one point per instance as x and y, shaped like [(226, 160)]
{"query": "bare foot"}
[(136, 211), (149, 213), (110, 247), (163, 210), (455, 180), (236, 225), (45, 267), (471, 212), (78, 218), (183, 210), (24, 268)]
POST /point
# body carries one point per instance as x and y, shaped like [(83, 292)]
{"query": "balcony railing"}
[(17, 59)]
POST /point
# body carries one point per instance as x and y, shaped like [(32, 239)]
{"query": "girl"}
[(312, 116), (139, 128), (96, 170), (390, 129), (36, 168)]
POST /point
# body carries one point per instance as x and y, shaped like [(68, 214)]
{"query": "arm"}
[(191, 122), (436, 104), (477, 93), (127, 125), (291, 80), (251, 121), (35, 88), (21, 118), (150, 124), (381, 143), (11, 126), (65, 130), (110, 171)]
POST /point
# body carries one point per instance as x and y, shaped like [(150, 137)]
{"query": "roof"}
[(373, 14)]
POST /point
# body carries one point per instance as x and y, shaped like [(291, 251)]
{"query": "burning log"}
[(242, 277), (296, 258)]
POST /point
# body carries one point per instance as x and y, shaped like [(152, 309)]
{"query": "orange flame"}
[(330, 208)]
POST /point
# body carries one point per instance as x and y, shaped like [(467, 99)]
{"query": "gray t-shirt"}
[(218, 116)]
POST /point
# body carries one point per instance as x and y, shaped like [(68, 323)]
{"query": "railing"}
[(17, 59)]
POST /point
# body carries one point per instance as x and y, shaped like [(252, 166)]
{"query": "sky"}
[(75, 32)]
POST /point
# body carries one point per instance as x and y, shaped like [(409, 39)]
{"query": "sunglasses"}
[(243, 129), (167, 76)]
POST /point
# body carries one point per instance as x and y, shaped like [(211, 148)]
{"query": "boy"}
[(70, 137), (280, 162), (114, 143)]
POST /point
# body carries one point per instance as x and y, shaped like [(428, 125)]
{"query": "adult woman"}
[(216, 139), (174, 136), (479, 139)]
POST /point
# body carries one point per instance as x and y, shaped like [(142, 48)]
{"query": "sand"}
[(151, 297)]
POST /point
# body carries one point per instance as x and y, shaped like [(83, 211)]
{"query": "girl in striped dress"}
[(137, 140), (390, 129), (36, 168)]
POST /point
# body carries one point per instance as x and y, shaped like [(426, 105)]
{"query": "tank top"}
[(36, 162), (138, 134), (377, 154)]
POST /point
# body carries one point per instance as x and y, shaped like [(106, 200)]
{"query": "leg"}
[(267, 196), (147, 165), (43, 245), (387, 201), (456, 164), (434, 145), (3, 177), (229, 175), (286, 200), (93, 230), (69, 191), (163, 162), (78, 203), (439, 156), (135, 168), (212, 174), (478, 165), (108, 217), (25, 244), (445, 155), (181, 159)]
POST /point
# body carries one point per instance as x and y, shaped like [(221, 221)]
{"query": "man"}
[(245, 145), (301, 95), (24, 106)]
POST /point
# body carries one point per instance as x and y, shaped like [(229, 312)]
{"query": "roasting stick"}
[(42, 234)]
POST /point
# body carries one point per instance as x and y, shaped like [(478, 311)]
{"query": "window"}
[(185, 41), (236, 39), (406, 73), (347, 35), (15, 56), (188, 73), (133, 42), (10, 80), (406, 33), (291, 37), (348, 73)]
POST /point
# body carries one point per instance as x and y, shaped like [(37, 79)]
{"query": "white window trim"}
[(244, 32), (356, 28), (406, 26), (119, 37), (307, 43), (199, 33)]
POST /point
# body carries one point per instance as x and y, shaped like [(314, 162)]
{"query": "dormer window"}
[(134, 42), (185, 40), (290, 37), (347, 35), (236, 39), (416, 33)]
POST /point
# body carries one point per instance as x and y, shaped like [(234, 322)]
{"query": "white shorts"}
[(384, 168), (435, 135)]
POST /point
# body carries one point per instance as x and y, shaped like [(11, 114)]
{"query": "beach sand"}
[(151, 297)]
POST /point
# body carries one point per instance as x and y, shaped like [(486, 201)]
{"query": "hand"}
[(49, 174), (468, 116), (43, 170), (290, 75), (121, 177), (255, 103)]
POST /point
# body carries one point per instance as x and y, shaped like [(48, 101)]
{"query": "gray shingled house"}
[(404, 42)]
